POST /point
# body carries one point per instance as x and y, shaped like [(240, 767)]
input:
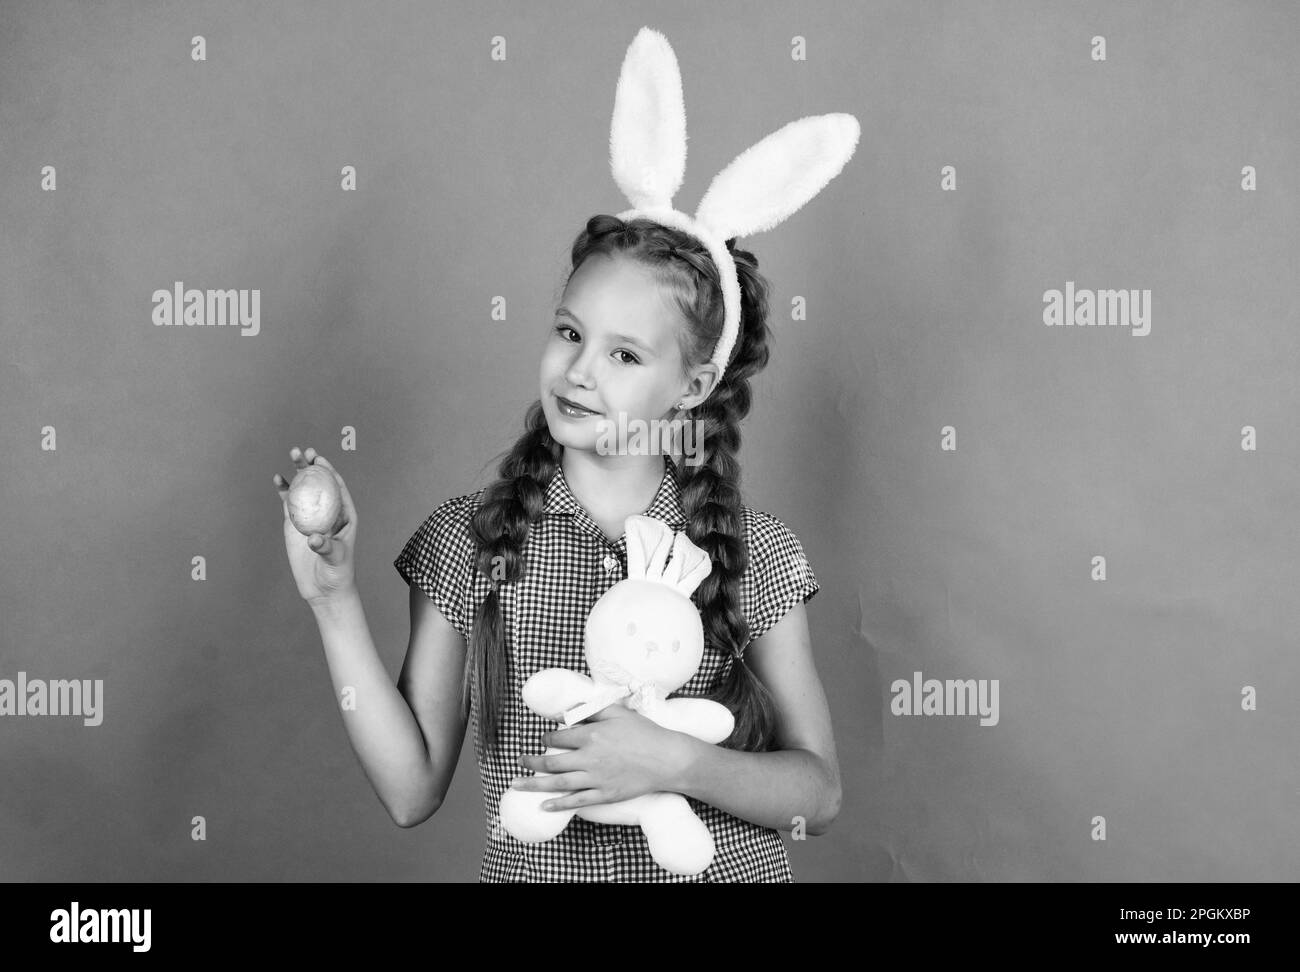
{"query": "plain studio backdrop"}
[(1147, 719)]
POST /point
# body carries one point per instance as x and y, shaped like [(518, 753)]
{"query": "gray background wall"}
[(1118, 698)]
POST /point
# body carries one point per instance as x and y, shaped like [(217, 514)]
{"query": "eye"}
[(560, 329), (631, 627)]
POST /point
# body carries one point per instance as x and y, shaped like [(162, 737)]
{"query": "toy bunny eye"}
[(676, 644), (631, 627)]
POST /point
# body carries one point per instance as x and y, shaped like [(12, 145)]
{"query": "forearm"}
[(381, 727), (770, 789)]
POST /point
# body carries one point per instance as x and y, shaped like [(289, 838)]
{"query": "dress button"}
[(611, 563)]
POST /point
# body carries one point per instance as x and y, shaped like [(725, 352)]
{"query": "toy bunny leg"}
[(522, 816), (679, 841)]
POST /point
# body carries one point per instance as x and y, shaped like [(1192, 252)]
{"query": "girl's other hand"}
[(615, 754), (322, 565)]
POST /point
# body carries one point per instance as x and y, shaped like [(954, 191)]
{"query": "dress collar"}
[(665, 506)]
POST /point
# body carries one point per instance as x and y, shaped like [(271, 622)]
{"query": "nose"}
[(583, 364), (578, 373), (577, 378)]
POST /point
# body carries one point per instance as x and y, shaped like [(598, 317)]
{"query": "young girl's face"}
[(613, 349)]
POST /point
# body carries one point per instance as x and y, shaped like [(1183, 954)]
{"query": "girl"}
[(501, 581)]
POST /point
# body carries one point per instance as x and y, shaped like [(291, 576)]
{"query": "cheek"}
[(643, 391), (553, 360), (651, 400)]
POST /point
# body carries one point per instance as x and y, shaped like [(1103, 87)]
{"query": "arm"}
[(408, 737), (803, 777)]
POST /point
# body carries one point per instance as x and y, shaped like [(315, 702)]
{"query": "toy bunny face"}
[(648, 631)]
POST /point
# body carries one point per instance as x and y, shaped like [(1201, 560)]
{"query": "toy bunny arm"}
[(702, 718), (551, 691)]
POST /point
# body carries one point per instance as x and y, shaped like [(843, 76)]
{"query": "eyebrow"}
[(565, 312)]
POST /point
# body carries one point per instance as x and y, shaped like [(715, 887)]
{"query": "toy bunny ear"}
[(772, 178), (647, 137), (688, 567), (649, 541)]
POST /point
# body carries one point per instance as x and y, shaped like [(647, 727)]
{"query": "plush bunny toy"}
[(643, 639)]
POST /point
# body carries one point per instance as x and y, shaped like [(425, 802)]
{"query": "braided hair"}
[(710, 490)]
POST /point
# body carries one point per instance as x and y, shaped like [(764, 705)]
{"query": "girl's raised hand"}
[(322, 565)]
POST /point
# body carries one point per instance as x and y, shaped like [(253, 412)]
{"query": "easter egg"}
[(315, 503)]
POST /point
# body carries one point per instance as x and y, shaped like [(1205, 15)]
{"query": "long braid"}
[(711, 499), (500, 529)]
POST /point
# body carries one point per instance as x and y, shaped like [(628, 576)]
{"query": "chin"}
[(562, 432)]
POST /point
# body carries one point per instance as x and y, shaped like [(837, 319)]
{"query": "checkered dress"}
[(570, 564)]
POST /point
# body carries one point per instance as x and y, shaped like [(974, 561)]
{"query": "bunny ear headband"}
[(756, 191)]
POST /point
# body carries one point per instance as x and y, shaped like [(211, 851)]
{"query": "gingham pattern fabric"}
[(570, 563)]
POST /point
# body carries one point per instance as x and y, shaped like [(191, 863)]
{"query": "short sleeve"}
[(439, 558), (782, 576)]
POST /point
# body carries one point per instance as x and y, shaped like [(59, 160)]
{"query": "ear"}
[(647, 140), (649, 542), (688, 567), (704, 378), (773, 178)]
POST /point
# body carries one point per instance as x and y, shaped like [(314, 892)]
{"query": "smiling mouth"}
[(572, 408)]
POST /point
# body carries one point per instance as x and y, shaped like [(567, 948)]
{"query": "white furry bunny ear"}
[(647, 136), (650, 541), (773, 178), (755, 192)]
